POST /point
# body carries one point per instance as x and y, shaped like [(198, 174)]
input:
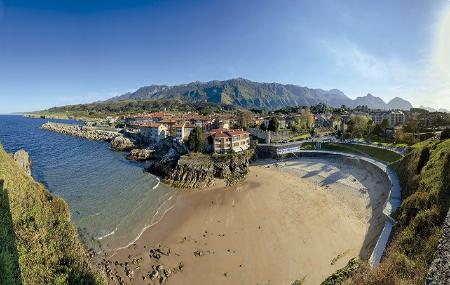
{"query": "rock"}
[(439, 270), (198, 253), (140, 154), (23, 160), (154, 274), (121, 143), (89, 133)]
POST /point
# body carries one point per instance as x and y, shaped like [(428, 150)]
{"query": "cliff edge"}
[(38, 242)]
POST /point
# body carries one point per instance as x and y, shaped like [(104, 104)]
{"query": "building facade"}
[(223, 140)]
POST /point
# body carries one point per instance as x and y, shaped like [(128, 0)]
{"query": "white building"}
[(181, 131), (224, 140), (153, 132), (394, 118)]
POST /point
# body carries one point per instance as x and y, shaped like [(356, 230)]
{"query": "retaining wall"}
[(439, 271), (392, 202)]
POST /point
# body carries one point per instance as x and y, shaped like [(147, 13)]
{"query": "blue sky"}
[(58, 52)]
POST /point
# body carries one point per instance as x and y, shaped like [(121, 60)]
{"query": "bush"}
[(195, 140), (445, 134)]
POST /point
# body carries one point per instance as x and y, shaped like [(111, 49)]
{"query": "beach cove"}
[(300, 219)]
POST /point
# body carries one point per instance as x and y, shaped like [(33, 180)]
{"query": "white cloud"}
[(420, 82)]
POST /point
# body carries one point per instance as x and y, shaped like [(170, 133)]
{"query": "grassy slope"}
[(424, 175), (38, 243), (377, 153)]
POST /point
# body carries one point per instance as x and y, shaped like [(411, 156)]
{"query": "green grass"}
[(299, 137), (383, 155), (344, 273), (38, 242), (391, 144), (425, 179)]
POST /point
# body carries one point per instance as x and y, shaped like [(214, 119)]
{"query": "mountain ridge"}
[(250, 94)]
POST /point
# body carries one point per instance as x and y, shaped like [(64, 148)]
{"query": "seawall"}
[(80, 131), (392, 202)]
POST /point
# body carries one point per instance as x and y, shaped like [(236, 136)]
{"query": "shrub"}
[(445, 134), (195, 140)]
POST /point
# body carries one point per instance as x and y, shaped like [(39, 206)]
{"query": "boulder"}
[(23, 160), (140, 154), (121, 143), (169, 148)]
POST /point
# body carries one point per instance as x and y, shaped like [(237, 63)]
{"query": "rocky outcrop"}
[(192, 171), (22, 158), (439, 271), (121, 143), (198, 170), (232, 167), (80, 131), (169, 148), (166, 155), (140, 154)]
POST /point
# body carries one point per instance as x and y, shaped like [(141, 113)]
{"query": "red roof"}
[(222, 133)]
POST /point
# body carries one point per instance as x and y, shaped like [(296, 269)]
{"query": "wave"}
[(152, 224), (107, 235), (157, 184)]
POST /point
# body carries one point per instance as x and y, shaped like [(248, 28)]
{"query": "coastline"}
[(263, 227)]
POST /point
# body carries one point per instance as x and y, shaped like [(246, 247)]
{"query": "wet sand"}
[(303, 219)]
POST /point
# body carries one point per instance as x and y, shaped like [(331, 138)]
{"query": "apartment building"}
[(394, 118), (224, 140)]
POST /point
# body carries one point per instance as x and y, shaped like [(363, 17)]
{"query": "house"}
[(223, 140), (281, 121), (394, 118), (153, 132), (181, 131)]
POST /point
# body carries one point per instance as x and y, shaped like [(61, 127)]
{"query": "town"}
[(240, 130)]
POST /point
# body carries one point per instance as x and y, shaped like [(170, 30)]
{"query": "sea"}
[(112, 200)]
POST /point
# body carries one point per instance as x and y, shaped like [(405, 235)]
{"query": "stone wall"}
[(439, 271), (80, 131)]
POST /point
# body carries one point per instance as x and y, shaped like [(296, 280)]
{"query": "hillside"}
[(249, 94), (425, 178), (38, 243)]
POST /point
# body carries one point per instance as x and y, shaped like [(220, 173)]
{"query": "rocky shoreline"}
[(80, 131), (170, 160), (181, 169)]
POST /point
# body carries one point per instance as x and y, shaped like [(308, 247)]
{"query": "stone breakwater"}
[(439, 271), (80, 131)]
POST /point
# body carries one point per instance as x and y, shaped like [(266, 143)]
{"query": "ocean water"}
[(112, 200)]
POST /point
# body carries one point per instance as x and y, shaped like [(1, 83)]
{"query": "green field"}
[(299, 137), (384, 155)]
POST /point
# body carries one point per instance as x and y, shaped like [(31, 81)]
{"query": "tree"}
[(195, 140), (358, 126), (263, 127), (384, 124), (411, 126), (244, 119), (399, 136), (273, 124), (445, 134), (377, 130)]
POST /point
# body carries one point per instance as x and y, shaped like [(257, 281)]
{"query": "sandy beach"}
[(300, 219)]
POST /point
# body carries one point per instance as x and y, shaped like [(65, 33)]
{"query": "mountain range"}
[(249, 94)]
